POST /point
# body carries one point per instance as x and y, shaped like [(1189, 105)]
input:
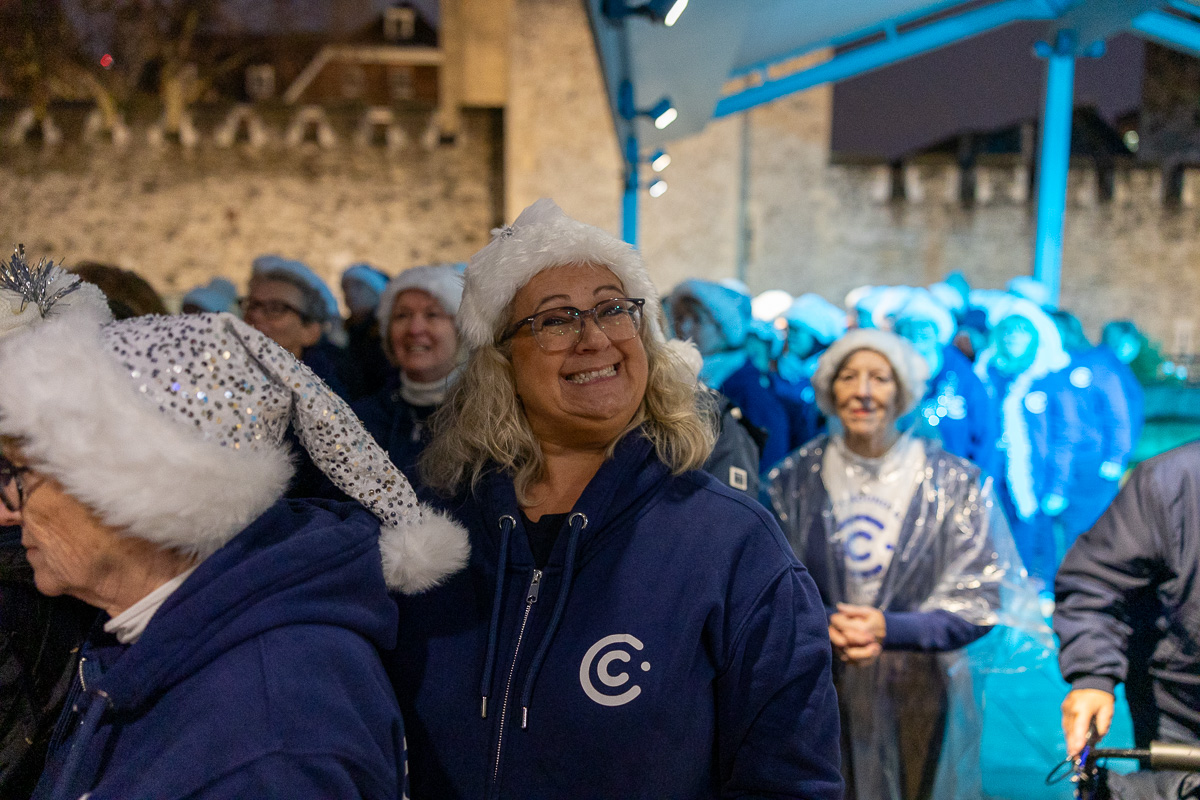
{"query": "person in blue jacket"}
[(416, 315), (1104, 441), (1037, 422), (956, 409), (237, 652), (716, 318), (913, 560), (628, 627)]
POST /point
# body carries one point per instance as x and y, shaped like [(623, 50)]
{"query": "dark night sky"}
[(988, 82)]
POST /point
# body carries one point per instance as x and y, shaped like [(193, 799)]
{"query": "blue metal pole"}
[(629, 203), (889, 51), (1172, 31), (1054, 162)]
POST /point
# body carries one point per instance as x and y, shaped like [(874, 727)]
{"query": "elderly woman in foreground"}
[(239, 651), (627, 626), (912, 556)]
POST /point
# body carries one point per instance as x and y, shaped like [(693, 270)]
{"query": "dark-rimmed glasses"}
[(12, 487), (558, 329), (270, 309)]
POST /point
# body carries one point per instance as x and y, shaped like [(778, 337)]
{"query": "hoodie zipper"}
[(531, 597)]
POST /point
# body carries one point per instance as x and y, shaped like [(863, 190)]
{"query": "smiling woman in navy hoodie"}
[(627, 626), (238, 651)]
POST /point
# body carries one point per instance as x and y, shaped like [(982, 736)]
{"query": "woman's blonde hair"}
[(482, 422)]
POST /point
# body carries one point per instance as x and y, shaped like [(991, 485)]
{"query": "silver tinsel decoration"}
[(32, 285)]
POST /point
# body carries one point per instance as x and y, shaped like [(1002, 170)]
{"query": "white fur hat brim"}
[(912, 372), (443, 282), (82, 420), (543, 237)]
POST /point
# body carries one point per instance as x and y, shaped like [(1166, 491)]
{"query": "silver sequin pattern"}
[(240, 389)]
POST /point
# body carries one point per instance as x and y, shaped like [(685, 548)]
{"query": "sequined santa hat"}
[(171, 429)]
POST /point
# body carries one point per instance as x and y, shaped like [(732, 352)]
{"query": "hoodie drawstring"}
[(577, 522), (63, 789), (507, 523)]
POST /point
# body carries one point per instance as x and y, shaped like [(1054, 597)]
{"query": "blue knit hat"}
[(730, 308)]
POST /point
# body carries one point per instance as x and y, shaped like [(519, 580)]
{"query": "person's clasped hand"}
[(857, 633)]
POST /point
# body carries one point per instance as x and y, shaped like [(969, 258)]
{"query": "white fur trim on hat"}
[(81, 419), (543, 237), (912, 372), (442, 281), (771, 304)]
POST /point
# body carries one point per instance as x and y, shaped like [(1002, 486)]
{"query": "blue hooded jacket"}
[(258, 677), (673, 646)]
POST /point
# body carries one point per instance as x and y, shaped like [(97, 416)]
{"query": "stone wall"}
[(180, 215), (754, 196)]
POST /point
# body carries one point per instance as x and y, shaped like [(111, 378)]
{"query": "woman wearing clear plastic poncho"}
[(914, 561)]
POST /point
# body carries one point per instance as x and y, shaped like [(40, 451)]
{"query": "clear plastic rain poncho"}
[(912, 720)]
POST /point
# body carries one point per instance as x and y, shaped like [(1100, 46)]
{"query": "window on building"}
[(399, 24), (400, 83), (260, 82)]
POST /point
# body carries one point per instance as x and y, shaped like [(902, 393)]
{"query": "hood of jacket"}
[(621, 488), (301, 562)]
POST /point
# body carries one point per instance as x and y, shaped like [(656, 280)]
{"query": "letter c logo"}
[(605, 675)]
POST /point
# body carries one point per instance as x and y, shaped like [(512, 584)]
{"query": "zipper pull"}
[(535, 586)]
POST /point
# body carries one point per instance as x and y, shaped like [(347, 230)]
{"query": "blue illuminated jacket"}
[(259, 677), (958, 412), (673, 647)]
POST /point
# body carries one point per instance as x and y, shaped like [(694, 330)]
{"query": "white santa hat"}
[(911, 371), (171, 430), (543, 237)]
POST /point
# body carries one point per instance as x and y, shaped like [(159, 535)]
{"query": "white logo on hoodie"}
[(608, 678)]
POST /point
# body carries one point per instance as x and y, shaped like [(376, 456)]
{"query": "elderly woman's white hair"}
[(911, 371), (482, 422)]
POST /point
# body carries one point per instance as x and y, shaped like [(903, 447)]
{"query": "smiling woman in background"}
[(910, 552), (416, 317), (628, 626)]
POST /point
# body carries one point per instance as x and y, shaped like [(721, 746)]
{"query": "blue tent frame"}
[(721, 41)]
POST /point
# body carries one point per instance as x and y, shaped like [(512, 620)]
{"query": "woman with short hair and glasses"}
[(627, 626), (287, 306)]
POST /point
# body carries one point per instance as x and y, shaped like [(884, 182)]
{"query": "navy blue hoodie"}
[(259, 677), (673, 647)]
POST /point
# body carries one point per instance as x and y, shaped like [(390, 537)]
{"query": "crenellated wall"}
[(755, 196), (326, 186)]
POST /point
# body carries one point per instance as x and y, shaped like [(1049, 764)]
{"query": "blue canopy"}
[(723, 57)]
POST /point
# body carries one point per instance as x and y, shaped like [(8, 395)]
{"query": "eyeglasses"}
[(12, 487), (270, 309), (561, 328)]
